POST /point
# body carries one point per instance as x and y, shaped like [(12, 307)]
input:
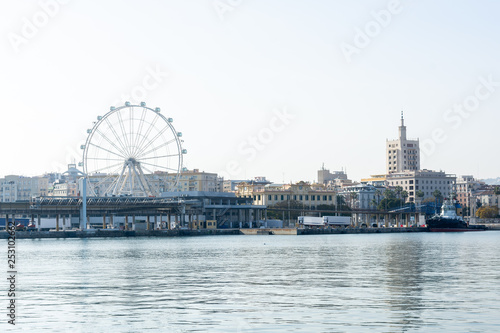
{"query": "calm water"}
[(326, 283)]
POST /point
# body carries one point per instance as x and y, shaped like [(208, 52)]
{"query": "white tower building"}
[(402, 154)]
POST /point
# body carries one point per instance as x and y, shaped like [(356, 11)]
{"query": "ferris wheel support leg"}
[(119, 180), (144, 184), (83, 218)]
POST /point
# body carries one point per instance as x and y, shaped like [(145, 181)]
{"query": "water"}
[(427, 282)]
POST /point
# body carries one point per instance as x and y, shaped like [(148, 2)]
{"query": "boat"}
[(449, 221)]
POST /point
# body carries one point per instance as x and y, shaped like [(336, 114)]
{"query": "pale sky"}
[(268, 88)]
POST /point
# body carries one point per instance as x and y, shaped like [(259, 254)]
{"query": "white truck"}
[(311, 221), (337, 220)]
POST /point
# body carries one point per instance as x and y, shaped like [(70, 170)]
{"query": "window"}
[(300, 198), (269, 197), (307, 197), (324, 198), (282, 198), (275, 197)]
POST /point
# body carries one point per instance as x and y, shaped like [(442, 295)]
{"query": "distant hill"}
[(492, 181)]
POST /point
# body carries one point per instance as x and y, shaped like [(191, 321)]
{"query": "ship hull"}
[(450, 225)]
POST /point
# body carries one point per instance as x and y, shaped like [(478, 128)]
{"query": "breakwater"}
[(203, 232), (118, 233)]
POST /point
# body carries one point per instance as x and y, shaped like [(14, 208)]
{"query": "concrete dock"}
[(113, 233)]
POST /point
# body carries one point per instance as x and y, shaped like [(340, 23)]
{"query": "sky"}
[(273, 88)]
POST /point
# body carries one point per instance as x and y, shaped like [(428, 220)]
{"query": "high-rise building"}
[(402, 154)]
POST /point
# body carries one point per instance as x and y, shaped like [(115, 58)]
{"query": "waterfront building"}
[(425, 180), (231, 185), (362, 196), (488, 198), (402, 154), (325, 176), (196, 180), (375, 180), (64, 189), (160, 182), (39, 186), (466, 189), (15, 188), (310, 195), (222, 210)]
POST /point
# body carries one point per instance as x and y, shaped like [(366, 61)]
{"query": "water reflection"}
[(405, 282), (324, 283)]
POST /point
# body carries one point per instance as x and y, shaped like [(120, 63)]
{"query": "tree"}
[(390, 201), (487, 212), (353, 196), (437, 196), (389, 194), (398, 191), (376, 199), (294, 206), (404, 195), (419, 195), (332, 209)]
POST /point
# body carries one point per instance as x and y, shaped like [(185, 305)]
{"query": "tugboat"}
[(449, 221)]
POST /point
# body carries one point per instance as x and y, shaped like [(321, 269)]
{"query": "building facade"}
[(402, 154), (310, 195), (426, 181), (466, 189)]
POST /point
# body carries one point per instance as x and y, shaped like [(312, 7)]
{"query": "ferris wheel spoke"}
[(159, 166), (156, 148), (148, 170), (151, 126), (109, 176), (122, 128), (111, 142), (104, 159), (113, 177), (139, 130), (109, 151), (108, 167), (124, 148), (131, 126), (153, 157), (153, 139)]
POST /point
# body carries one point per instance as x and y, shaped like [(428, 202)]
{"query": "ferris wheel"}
[(132, 150)]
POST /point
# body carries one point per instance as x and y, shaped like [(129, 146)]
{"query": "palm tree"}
[(419, 194), (437, 195), (398, 190), (404, 195), (353, 196), (378, 193)]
